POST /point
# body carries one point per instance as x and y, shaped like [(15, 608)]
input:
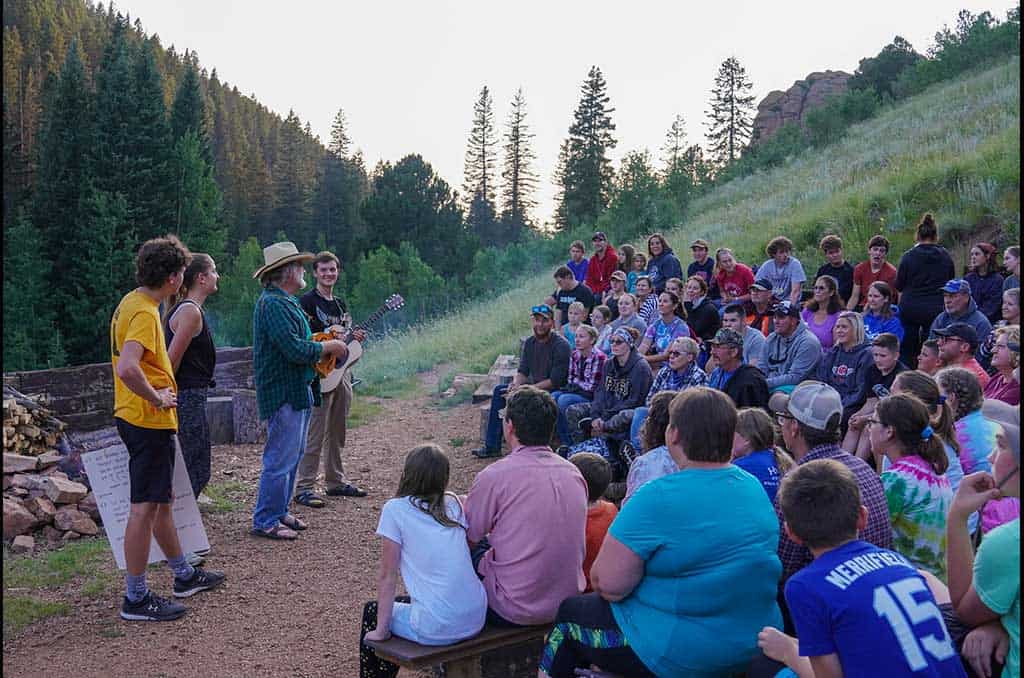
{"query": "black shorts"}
[(150, 462)]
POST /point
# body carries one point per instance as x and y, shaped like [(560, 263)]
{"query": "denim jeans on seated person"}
[(493, 439), (639, 417), (564, 400), (286, 443)]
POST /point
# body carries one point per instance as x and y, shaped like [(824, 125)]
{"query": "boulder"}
[(42, 508), (69, 535), (48, 459), (779, 108), (64, 491), (17, 519), (19, 463), (52, 534), (23, 544), (7, 481), (68, 518), (88, 506), (26, 481)]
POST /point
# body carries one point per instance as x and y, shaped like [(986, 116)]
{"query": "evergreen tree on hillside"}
[(340, 142), (558, 177), (478, 184), (678, 182), (339, 192), (519, 179), (409, 202), (291, 187), (696, 167), (731, 115), (30, 336), (587, 181), (639, 201), (188, 113), (880, 73)]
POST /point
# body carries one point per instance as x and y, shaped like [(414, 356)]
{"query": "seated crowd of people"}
[(724, 476)]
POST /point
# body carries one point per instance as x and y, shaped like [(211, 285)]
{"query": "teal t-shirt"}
[(709, 541), (997, 581)]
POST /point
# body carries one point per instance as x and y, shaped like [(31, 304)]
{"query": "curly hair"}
[(159, 259), (965, 386)]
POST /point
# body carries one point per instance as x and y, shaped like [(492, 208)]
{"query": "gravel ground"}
[(287, 608)]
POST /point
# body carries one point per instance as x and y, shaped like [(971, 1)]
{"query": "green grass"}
[(24, 576), (226, 496), (20, 611), (457, 442), (954, 150), (363, 411)]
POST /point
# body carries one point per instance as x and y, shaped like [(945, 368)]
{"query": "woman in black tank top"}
[(194, 357)]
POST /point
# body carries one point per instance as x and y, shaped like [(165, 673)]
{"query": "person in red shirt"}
[(874, 269), (604, 262), (600, 513), (734, 279)]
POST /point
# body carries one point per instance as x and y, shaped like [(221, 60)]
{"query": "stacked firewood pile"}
[(37, 495)]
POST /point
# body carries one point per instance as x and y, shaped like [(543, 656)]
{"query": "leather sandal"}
[(279, 532), (293, 522)]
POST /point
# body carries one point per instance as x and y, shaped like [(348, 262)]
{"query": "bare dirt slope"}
[(287, 608)]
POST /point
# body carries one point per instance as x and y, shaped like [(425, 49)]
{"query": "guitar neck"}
[(377, 315)]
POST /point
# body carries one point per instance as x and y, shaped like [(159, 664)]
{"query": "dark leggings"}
[(194, 436), (370, 665), (585, 633)]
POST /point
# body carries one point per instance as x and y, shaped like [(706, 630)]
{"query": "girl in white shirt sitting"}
[(424, 536)]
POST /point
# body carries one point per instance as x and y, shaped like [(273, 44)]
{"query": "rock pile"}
[(36, 493)]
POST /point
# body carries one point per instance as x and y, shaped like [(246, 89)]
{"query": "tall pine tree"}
[(518, 176), (731, 117), (678, 183), (587, 179), (339, 192), (291, 184), (478, 184)]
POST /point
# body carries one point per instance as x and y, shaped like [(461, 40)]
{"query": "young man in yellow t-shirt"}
[(144, 411)]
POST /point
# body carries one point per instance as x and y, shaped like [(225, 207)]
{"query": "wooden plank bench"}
[(466, 659)]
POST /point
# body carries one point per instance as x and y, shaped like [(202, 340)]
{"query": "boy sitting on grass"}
[(600, 513), (859, 610)]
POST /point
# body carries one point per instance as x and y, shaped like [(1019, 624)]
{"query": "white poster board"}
[(107, 470)]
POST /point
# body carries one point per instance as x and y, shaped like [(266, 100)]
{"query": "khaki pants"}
[(326, 438)]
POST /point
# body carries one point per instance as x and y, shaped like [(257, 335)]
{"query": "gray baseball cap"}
[(813, 403)]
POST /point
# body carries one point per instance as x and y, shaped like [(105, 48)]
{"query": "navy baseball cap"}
[(786, 308), (763, 284), (962, 331)]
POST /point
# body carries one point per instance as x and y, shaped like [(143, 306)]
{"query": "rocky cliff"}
[(779, 107)]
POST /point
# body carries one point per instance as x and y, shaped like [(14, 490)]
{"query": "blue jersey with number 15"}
[(873, 609)]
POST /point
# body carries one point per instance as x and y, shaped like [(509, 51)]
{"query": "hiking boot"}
[(201, 580), (485, 453), (151, 608)]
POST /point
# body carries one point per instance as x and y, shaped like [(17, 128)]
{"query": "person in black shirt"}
[(327, 427), (193, 357), (568, 291), (837, 266), (920, 276), (885, 354)]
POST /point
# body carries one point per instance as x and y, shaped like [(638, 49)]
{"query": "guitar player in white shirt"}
[(327, 426)]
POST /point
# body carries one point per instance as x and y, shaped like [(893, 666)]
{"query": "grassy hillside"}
[(953, 150)]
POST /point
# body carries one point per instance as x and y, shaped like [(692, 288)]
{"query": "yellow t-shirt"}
[(137, 318)]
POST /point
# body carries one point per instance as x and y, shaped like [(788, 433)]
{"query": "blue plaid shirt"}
[(283, 354)]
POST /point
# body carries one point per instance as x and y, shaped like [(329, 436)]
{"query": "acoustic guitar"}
[(329, 380)]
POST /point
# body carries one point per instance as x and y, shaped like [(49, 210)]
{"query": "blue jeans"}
[(564, 400), (493, 439), (639, 417), (286, 443)]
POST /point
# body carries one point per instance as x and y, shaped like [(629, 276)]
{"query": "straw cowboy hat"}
[(280, 254)]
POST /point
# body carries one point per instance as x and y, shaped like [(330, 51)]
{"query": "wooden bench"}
[(511, 651)]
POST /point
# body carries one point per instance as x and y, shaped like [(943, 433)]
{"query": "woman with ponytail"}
[(923, 270), (917, 491), (923, 386), (193, 356)]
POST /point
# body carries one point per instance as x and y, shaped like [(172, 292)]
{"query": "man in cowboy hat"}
[(286, 386)]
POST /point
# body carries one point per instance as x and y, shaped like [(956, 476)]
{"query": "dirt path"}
[(287, 609)]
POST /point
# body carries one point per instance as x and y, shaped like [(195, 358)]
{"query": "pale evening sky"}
[(407, 73)]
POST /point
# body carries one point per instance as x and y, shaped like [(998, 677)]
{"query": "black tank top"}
[(200, 358)]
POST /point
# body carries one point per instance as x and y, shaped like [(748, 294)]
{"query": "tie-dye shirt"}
[(919, 500), (976, 436)]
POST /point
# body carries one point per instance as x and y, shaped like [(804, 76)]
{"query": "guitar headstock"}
[(394, 302)]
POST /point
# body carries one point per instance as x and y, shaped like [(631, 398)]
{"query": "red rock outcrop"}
[(779, 107)]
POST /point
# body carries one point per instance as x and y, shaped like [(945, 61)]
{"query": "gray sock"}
[(136, 588), (182, 570)]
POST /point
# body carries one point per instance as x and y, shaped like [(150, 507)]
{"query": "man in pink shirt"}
[(527, 516)]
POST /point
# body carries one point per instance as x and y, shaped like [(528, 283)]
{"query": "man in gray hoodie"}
[(792, 351), (960, 308)]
